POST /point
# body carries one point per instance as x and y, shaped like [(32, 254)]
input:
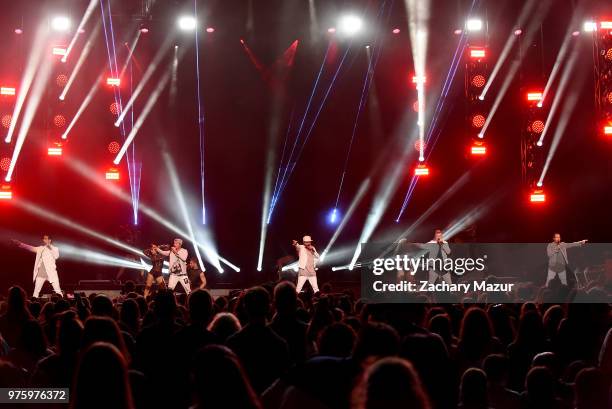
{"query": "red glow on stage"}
[(415, 106), (537, 126), (55, 149), (7, 91), (114, 108), (6, 120), (478, 121), (478, 149), (418, 80), (144, 30), (479, 81), (608, 130), (112, 174), (113, 81), (5, 163), (534, 96), (61, 80), (396, 31), (210, 30), (609, 54), (114, 147), (417, 146), (5, 192), (477, 52), (537, 196), (609, 97), (605, 25), (59, 121), (59, 51), (421, 170), (18, 31)]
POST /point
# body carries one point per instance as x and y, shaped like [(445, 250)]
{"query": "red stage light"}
[(55, 149), (478, 121), (537, 126), (5, 192), (59, 121), (113, 81), (518, 32), (210, 30), (421, 170), (478, 149), (114, 108), (537, 196), (609, 54), (415, 106), (417, 145), (418, 80), (608, 130), (396, 31), (59, 50), (609, 98), (6, 120), (114, 147), (18, 31), (477, 52), (479, 81), (534, 96), (61, 80), (605, 25), (5, 163), (7, 91), (112, 174)]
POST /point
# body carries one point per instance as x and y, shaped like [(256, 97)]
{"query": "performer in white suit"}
[(178, 265), (44, 265), (307, 264), (438, 250)]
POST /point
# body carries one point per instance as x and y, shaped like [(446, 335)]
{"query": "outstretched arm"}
[(24, 246), (575, 244)]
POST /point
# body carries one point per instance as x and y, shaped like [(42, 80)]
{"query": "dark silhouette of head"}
[(103, 329), (220, 381), (69, 333), (200, 307), (101, 379), (32, 339), (591, 389), (540, 387), (102, 306), (224, 325), (473, 390), (336, 340), (256, 304), (376, 340), (285, 298), (388, 384), (164, 305), (130, 313), (16, 302), (496, 366)]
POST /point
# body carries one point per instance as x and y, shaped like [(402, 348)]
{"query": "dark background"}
[(239, 109)]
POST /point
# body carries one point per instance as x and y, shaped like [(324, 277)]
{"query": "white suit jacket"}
[(303, 256), (47, 257), (181, 260)]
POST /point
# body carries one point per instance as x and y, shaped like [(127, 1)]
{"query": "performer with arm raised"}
[(438, 250), (44, 264), (155, 274), (307, 263), (557, 258), (178, 265)]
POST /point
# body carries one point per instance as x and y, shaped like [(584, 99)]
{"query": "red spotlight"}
[(518, 32), (478, 149), (537, 196), (421, 170), (396, 31), (112, 174), (144, 30), (537, 126), (5, 192), (608, 130), (113, 81), (114, 147), (6, 120), (419, 80), (59, 50), (5, 163), (114, 108), (61, 80), (55, 149), (7, 91), (210, 30), (478, 121), (478, 81), (18, 31), (605, 25), (534, 96), (457, 31), (477, 52), (609, 97), (59, 121), (417, 145), (609, 54)]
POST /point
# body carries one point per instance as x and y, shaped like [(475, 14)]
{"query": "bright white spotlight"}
[(589, 26), (187, 23), (60, 23), (474, 24), (350, 24)]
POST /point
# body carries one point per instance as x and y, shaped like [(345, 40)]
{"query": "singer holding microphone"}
[(44, 264), (557, 258), (307, 263), (439, 250), (178, 265)]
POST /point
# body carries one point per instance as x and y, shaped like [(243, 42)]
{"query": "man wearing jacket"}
[(307, 263), (557, 258), (44, 264)]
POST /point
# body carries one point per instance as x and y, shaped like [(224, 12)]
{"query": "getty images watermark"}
[(485, 272)]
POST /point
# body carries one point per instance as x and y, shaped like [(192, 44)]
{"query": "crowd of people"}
[(269, 347)]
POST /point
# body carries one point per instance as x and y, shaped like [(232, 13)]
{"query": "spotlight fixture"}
[(115, 82), (187, 23), (112, 174), (421, 170), (589, 26), (477, 52), (473, 24), (478, 149), (6, 192), (350, 24), (396, 31), (7, 91), (537, 196), (210, 29), (55, 149), (61, 23), (608, 130)]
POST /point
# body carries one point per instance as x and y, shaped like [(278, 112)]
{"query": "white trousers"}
[(38, 285), (174, 279), (302, 280), (433, 276), (552, 274)]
